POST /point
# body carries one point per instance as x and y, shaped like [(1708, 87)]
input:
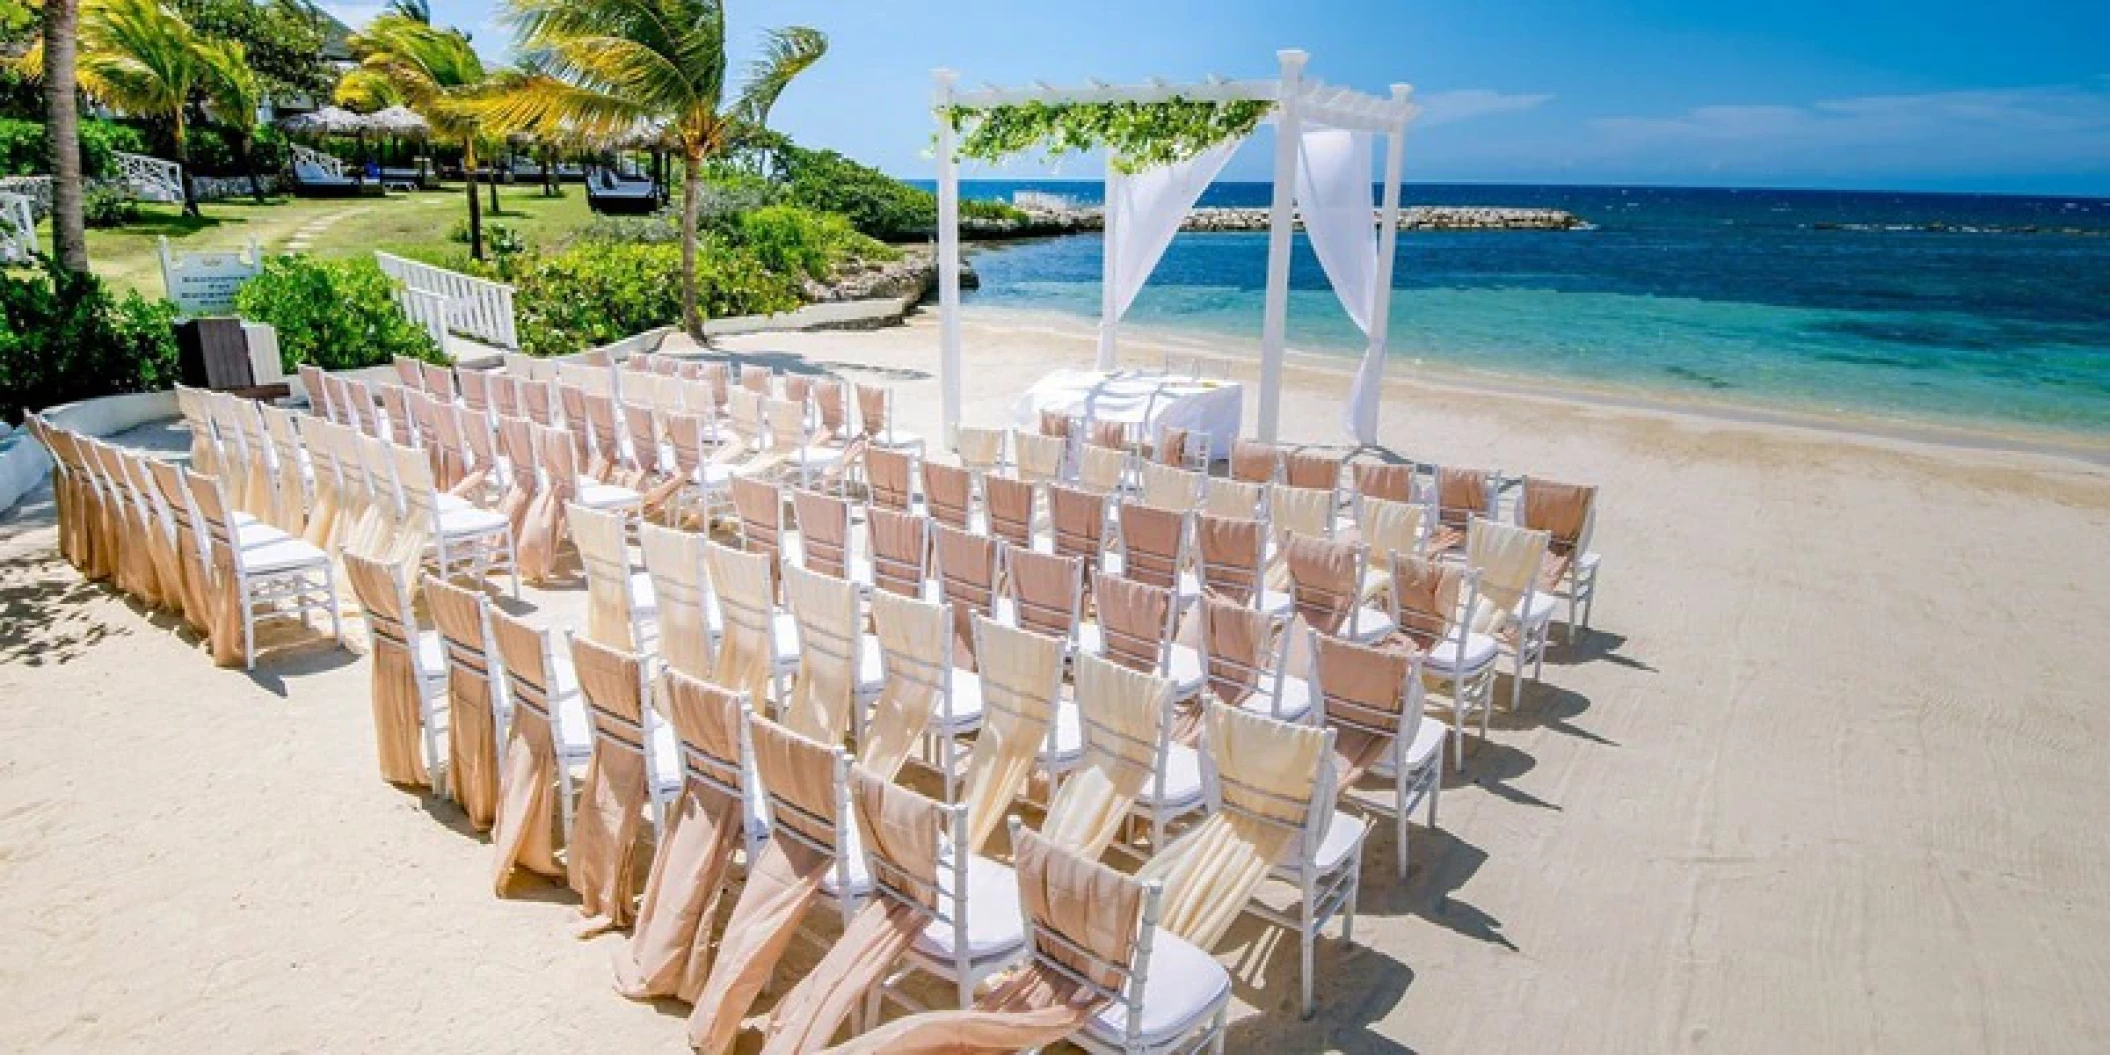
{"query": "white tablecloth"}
[(1148, 398)]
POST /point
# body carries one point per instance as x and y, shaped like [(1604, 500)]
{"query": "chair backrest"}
[(1056, 424), (1080, 523), (808, 785), (1136, 622), (685, 437), (463, 618), (1430, 599), (1047, 591), (833, 408), (1110, 435), (612, 614), (875, 412), (357, 405), (905, 835), (891, 475), (613, 682), (538, 400), (414, 486), (1235, 498), (1276, 775), (1508, 559), (830, 622), (1153, 544), (1462, 494), (757, 379), (1367, 690), (949, 492), (1166, 487), (789, 430), (1566, 512), (678, 568), (1232, 554), (1254, 462), (1040, 459), (1102, 470), (759, 506), (409, 371), (439, 381), (900, 551), (745, 585), (1391, 481), (1390, 527), (208, 502), (711, 723), (476, 389), (981, 450), (1326, 582), (384, 593), (1010, 505), (1301, 510), (969, 569), (396, 406), (529, 658), (1319, 470), (1243, 652), (718, 378), (640, 424), (824, 531), (320, 394), (602, 430)]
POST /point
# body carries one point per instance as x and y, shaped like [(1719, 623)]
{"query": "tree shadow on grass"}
[(175, 226)]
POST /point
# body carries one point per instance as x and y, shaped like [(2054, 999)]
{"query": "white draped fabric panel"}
[(1333, 197), (1143, 213)]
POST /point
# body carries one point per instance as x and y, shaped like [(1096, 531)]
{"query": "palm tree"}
[(233, 94), (434, 71), (602, 69), (141, 57), (62, 130)]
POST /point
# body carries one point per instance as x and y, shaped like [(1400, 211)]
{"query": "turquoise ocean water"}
[(1979, 311)]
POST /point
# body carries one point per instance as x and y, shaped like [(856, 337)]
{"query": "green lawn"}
[(325, 226)]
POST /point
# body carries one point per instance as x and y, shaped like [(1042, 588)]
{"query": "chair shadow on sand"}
[(1263, 963), (794, 363)]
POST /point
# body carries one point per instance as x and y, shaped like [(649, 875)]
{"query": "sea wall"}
[(1045, 222)]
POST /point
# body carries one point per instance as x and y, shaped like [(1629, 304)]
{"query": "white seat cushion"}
[(819, 456), (1295, 703), (871, 666), (860, 872), (1181, 988), (285, 554), (667, 765), (447, 503), (1537, 609), (641, 596), (966, 704), (785, 633), (1183, 780), (470, 521), (1185, 670), (1426, 747), (1344, 836), (995, 925), (1479, 651), (1372, 624), (596, 495), (253, 533), (1065, 746), (431, 656)]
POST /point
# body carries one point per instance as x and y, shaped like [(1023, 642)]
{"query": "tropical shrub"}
[(595, 293), (874, 202), (66, 338), (103, 205), (985, 209), (214, 151), (336, 314), (22, 150), (807, 244)]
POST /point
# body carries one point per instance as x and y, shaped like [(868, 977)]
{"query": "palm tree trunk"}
[(256, 186), (62, 131), (476, 220), (495, 207), (691, 187), (190, 196)]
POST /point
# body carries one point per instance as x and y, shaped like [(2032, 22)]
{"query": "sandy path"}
[(1822, 779)]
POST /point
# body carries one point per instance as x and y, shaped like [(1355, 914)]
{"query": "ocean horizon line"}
[(2103, 195)]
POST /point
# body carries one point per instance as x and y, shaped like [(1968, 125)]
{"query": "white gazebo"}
[(1324, 157)]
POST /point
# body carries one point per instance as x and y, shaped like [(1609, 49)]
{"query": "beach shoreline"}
[(1144, 339)]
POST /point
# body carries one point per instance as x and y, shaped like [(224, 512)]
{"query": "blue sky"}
[(1930, 94)]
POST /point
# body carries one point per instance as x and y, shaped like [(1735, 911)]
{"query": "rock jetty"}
[(1047, 222)]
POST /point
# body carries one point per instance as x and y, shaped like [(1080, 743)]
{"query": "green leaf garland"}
[(1138, 135)]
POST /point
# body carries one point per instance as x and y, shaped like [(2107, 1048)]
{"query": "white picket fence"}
[(427, 310), (18, 228), (150, 178), (310, 156), (474, 307)]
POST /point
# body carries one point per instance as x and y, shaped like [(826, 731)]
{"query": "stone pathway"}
[(305, 235)]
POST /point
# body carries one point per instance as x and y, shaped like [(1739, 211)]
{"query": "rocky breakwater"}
[(1043, 222)]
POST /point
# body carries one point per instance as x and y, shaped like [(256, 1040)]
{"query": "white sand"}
[(1827, 776)]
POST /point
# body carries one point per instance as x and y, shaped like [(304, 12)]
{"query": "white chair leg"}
[(1304, 949)]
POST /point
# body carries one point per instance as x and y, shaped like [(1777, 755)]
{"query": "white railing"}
[(310, 156), (475, 307), (150, 179), (427, 310), (18, 229)]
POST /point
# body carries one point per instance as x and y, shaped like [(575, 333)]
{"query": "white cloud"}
[(1986, 130), (1438, 108), (354, 15)]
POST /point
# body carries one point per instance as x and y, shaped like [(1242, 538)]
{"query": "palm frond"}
[(787, 53)]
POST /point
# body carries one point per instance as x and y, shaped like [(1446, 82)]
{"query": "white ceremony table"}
[(1153, 400)]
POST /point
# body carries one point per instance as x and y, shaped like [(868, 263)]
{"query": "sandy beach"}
[(1821, 778)]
